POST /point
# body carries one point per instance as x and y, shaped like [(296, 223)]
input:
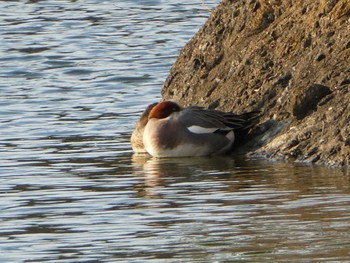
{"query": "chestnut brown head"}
[(164, 109)]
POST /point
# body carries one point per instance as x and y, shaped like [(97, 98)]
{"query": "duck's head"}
[(164, 109), (144, 117)]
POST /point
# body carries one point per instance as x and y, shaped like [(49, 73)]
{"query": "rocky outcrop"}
[(289, 59)]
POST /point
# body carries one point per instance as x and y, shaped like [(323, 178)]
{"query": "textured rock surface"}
[(289, 59)]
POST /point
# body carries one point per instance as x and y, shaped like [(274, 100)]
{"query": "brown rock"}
[(268, 55)]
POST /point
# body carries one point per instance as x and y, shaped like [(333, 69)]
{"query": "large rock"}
[(290, 60)]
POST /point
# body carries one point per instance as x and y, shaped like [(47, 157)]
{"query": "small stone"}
[(307, 42), (347, 142), (284, 81), (321, 57)]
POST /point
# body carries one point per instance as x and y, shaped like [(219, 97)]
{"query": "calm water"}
[(74, 77)]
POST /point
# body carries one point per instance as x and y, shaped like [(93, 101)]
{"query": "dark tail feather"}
[(241, 121), (248, 121)]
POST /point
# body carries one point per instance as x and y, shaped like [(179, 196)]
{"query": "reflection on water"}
[(224, 209), (74, 77)]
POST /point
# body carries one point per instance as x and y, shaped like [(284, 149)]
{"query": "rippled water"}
[(74, 77)]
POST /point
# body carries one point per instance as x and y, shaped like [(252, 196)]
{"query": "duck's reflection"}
[(164, 171), (237, 174)]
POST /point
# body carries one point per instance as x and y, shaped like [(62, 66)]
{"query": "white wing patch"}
[(199, 129)]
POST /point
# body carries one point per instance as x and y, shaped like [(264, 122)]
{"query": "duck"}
[(136, 138), (169, 130)]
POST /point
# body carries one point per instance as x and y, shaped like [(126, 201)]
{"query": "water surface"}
[(75, 75)]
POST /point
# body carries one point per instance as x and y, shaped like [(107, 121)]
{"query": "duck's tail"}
[(247, 122)]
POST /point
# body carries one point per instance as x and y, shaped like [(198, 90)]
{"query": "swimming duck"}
[(173, 131)]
